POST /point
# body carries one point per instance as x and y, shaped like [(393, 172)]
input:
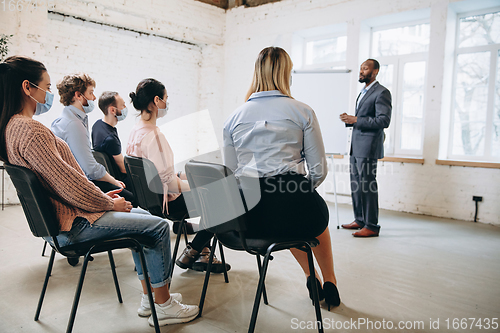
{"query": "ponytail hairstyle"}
[(145, 93), (273, 69), (13, 72)]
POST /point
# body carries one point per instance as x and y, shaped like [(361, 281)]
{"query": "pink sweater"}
[(32, 145), (147, 141)]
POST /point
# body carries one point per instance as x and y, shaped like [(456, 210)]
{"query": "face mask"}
[(41, 108), (163, 112), (124, 112), (90, 107)]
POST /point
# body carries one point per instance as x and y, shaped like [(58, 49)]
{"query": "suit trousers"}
[(364, 191)]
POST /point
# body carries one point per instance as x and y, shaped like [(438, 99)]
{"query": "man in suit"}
[(373, 114)]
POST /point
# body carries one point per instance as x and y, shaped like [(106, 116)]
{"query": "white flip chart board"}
[(327, 92)]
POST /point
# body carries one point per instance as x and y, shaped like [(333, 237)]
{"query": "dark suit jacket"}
[(374, 114)]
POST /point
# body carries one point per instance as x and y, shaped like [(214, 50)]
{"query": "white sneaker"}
[(174, 313), (145, 310)]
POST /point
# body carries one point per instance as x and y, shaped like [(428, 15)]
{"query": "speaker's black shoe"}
[(321, 295), (332, 296)]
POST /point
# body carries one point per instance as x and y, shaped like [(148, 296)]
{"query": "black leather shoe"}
[(201, 264), (332, 296), (188, 257), (321, 295)]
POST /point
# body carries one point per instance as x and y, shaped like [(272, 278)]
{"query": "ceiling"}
[(228, 4)]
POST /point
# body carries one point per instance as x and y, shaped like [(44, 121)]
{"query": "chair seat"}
[(82, 248), (232, 240)]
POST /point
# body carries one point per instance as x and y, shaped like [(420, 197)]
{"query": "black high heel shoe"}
[(321, 295), (332, 296)]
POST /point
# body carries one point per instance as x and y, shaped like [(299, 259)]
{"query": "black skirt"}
[(289, 206)]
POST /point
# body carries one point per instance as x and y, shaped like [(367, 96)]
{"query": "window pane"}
[(480, 30), (385, 77), (468, 138), (326, 50), (403, 40), (471, 95), (412, 105), (495, 147), (411, 137), (471, 99)]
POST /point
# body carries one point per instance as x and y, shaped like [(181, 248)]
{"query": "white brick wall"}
[(213, 71), (185, 53)]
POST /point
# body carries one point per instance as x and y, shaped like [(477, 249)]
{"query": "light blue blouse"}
[(272, 134), (72, 127)]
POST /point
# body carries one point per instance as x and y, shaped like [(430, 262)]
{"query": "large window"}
[(475, 116), (402, 53)]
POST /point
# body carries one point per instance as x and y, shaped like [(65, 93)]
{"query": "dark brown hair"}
[(145, 93), (13, 72), (107, 99)]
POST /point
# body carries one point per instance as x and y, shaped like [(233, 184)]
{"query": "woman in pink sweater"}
[(83, 210)]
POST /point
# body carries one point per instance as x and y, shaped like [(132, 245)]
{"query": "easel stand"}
[(335, 188)]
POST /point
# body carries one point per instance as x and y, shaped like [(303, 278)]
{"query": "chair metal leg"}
[(184, 231), (176, 248), (115, 278), (260, 289), (44, 288), (78, 293), (207, 276), (221, 251), (314, 288), (44, 247), (148, 287), (259, 265)]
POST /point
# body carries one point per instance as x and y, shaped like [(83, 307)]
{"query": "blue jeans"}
[(117, 224)]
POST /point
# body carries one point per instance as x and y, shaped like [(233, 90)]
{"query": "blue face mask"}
[(124, 112), (90, 107), (41, 108)]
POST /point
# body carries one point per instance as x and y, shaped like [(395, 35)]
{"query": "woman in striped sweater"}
[(83, 210)]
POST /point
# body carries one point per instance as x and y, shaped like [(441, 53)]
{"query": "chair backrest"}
[(148, 188), (103, 158), (37, 207), (216, 196)]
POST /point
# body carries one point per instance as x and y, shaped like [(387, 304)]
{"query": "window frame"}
[(494, 53), (398, 62)]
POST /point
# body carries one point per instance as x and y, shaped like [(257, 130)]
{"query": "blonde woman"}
[(274, 137)]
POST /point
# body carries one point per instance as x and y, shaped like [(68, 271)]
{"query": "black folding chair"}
[(104, 160), (42, 220), (218, 198), (149, 194)]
